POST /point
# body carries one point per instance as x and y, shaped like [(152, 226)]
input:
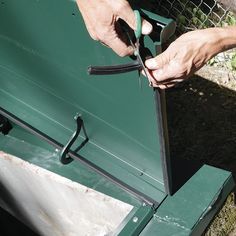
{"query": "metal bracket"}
[(64, 157)]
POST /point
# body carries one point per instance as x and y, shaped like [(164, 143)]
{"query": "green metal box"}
[(45, 51)]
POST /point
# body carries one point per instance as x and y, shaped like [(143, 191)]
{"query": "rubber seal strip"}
[(116, 69)]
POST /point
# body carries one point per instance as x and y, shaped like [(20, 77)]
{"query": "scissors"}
[(136, 65), (136, 46)]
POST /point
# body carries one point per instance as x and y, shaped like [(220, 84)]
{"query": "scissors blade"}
[(137, 54), (143, 66)]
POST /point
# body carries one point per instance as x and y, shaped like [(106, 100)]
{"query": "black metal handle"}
[(64, 158)]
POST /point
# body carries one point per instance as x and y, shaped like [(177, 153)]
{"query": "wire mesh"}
[(196, 14)]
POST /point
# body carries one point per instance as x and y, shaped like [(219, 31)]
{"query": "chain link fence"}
[(199, 14), (196, 14)]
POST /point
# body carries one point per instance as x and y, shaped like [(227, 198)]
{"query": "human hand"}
[(101, 19), (184, 56)]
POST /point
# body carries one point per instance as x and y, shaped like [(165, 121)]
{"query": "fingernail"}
[(146, 28), (151, 64)]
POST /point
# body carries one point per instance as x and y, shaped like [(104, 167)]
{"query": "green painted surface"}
[(45, 50), (190, 210), (138, 221)]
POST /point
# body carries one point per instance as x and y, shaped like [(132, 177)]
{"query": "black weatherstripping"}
[(116, 69), (142, 197)]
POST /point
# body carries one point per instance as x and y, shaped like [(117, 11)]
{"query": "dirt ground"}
[(202, 118), (202, 126)]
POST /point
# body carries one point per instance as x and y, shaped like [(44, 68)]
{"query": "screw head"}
[(135, 219)]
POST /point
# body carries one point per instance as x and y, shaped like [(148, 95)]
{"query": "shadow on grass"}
[(202, 123)]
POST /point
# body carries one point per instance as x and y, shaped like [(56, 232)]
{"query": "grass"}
[(225, 221)]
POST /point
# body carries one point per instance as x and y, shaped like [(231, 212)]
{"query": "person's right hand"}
[(101, 19), (187, 54)]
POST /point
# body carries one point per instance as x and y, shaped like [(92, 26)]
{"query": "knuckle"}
[(94, 36), (122, 6), (102, 38), (122, 53)]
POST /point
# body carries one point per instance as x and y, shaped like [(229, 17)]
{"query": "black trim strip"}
[(142, 197), (117, 69), (160, 101)]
